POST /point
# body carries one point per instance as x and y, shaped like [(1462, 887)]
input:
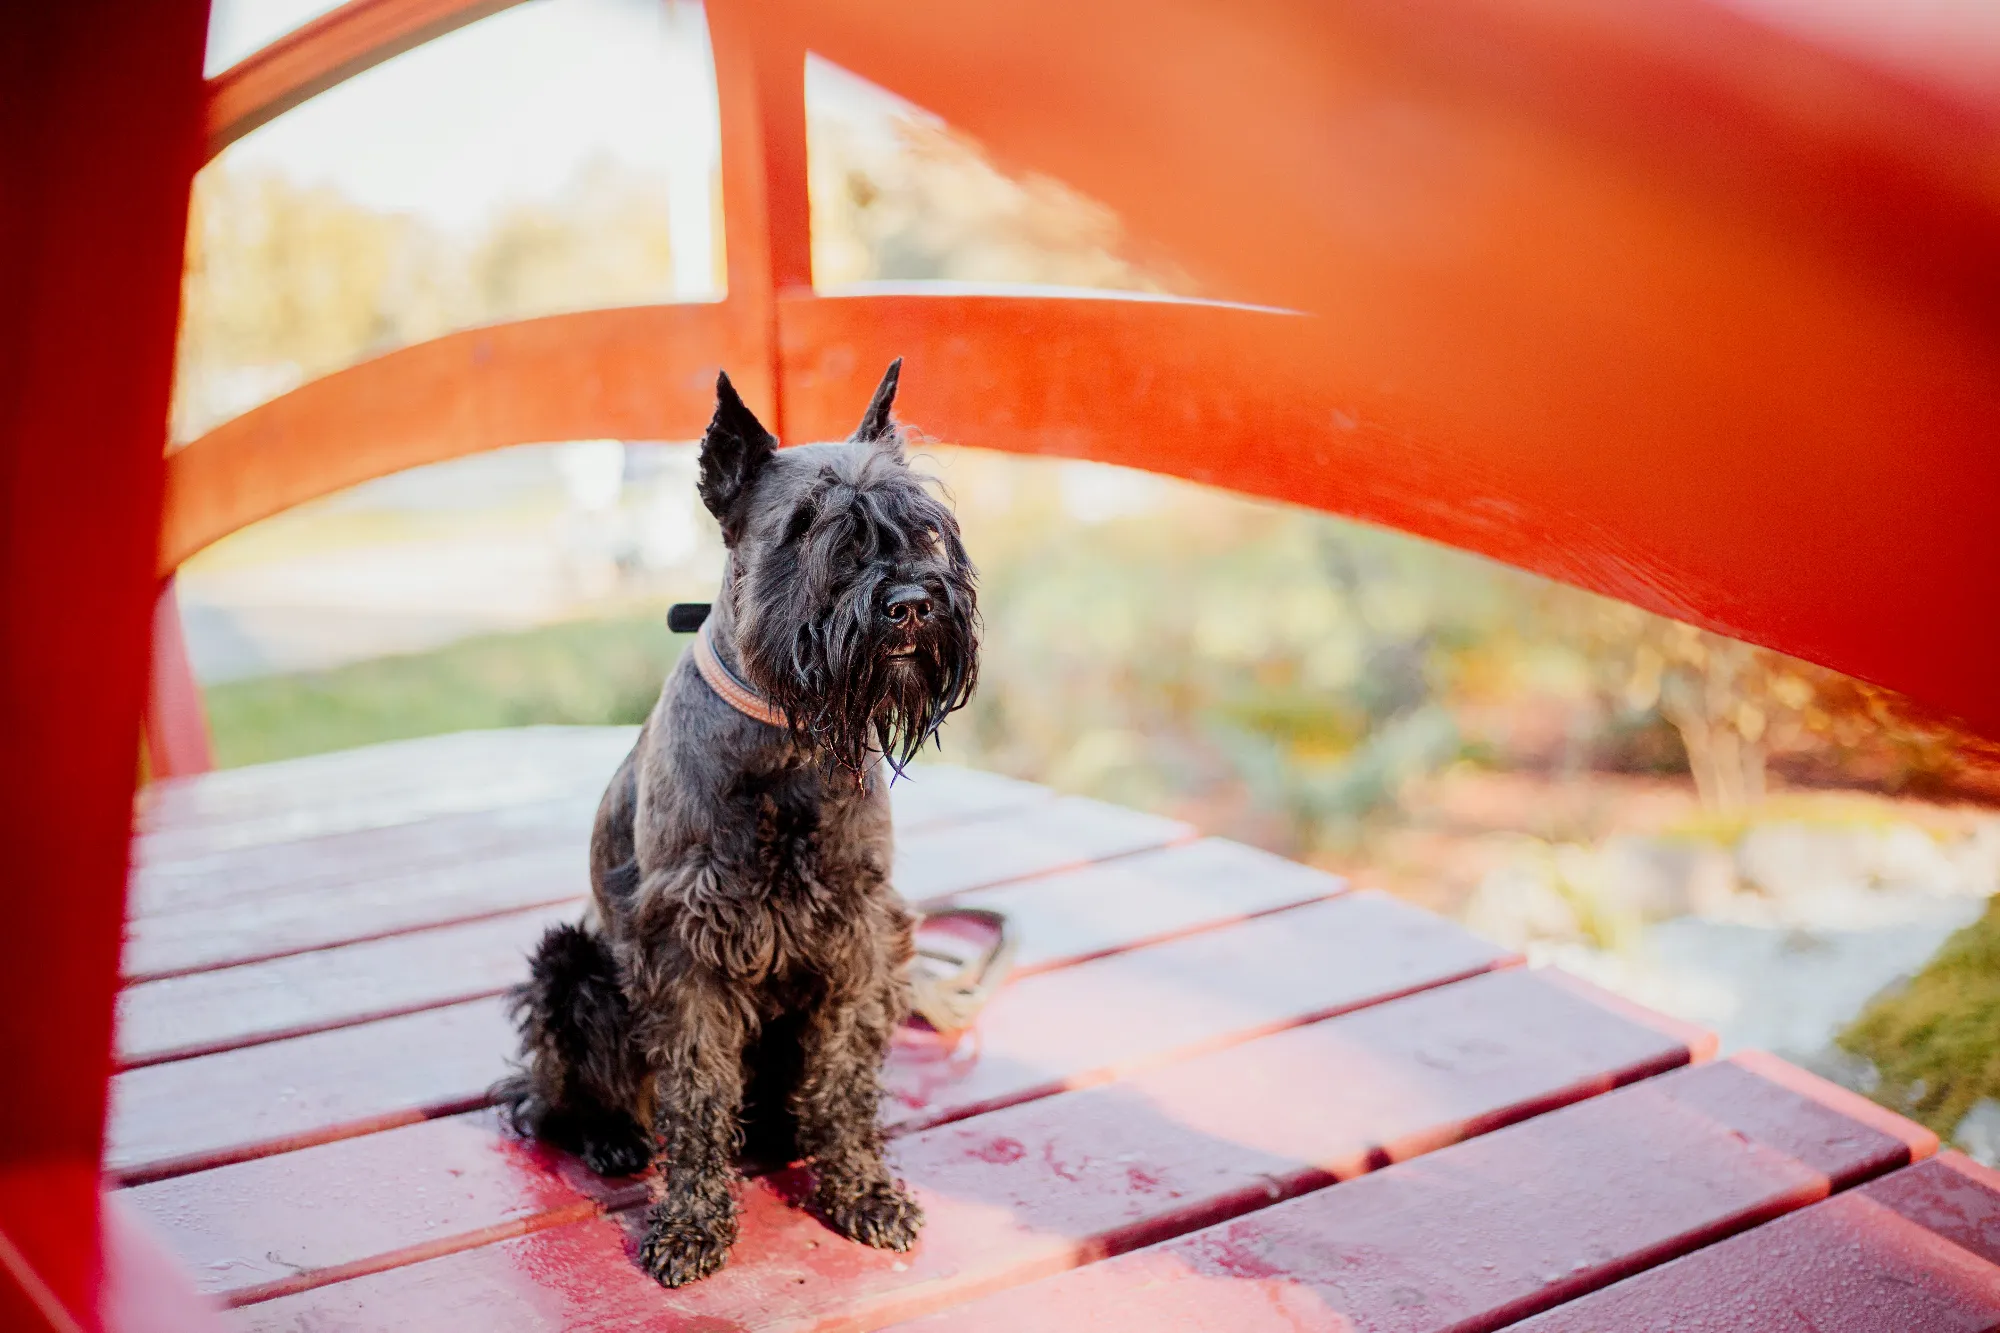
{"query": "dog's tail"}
[(576, 1058)]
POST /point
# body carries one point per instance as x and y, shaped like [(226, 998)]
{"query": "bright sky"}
[(504, 109), (511, 107)]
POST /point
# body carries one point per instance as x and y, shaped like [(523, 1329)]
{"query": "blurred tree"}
[(1728, 701), (924, 202), (286, 282)]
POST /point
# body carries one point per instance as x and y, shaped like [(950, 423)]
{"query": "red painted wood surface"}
[(344, 821), (641, 373), (1145, 898), (1951, 1195), (143, 1288), (1115, 1015), (101, 104), (337, 908), (372, 786), (1062, 918), (176, 943), (330, 1212), (190, 1114), (1658, 299), (162, 886), (1487, 1231), (1911, 1253), (1053, 835), (1049, 1184), (1148, 1005), (231, 1007), (176, 722)]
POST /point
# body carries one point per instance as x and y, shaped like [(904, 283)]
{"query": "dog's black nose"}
[(907, 604)]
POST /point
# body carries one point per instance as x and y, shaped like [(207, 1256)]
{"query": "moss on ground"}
[(587, 672), (1936, 1040)]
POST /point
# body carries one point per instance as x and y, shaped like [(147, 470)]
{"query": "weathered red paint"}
[(323, 1214), (340, 889), (200, 828), (1887, 1258), (1059, 919), (227, 1008), (373, 787), (176, 721), (257, 930), (1485, 1232), (1147, 1005), (1951, 1195), (1044, 1186)]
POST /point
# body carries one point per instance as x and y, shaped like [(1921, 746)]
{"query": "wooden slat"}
[(1951, 1195), (1060, 918), (229, 1007), (1117, 1014), (929, 798), (1096, 909), (399, 782), (256, 930), (1491, 1230), (372, 786), (1055, 835), (307, 866), (632, 373), (1007, 1195), (934, 795), (1143, 1006), (1913, 1252), (977, 831), (193, 1113)]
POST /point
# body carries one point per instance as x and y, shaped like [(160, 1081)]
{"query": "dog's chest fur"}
[(793, 886)]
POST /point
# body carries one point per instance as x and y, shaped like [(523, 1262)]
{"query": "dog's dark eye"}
[(798, 525)]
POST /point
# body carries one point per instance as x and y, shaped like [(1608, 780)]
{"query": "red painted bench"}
[(1219, 1092)]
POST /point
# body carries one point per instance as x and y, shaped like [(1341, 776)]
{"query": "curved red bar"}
[(1643, 296), (1646, 297)]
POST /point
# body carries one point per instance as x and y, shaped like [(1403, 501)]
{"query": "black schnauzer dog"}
[(741, 967)]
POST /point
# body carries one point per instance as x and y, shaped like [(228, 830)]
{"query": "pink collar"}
[(731, 690)]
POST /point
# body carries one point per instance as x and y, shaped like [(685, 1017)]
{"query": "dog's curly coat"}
[(742, 963)]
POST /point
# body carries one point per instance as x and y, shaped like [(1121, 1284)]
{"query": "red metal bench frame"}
[(1647, 297)]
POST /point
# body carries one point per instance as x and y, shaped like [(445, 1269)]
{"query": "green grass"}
[(586, 672), (1936, 1040)]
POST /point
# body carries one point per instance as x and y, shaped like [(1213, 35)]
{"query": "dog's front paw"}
[(880, 1213), (679, 1250)]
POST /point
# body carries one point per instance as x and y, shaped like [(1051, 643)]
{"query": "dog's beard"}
[(847, 692)]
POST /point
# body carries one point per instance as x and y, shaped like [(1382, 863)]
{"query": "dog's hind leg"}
[(579, 1079)]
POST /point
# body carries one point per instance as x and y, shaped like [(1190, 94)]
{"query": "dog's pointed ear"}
[(733, 452), (876, 423)]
